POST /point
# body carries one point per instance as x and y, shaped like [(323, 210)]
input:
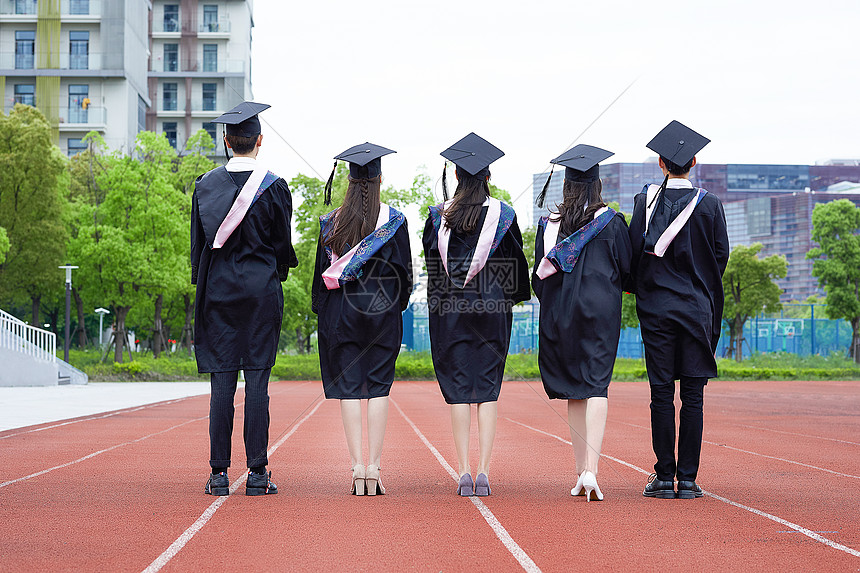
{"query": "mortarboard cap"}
[(365, 162), (473, 154), (242, 120), (582, 162), (677, 143)]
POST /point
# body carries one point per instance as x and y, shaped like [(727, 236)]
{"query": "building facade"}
[(199, 64), (81, 62), (119, 67)]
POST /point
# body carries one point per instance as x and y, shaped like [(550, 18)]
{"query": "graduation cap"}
[(242, 120), (365, 162), (676, 143), (581, 163), (473, 155)]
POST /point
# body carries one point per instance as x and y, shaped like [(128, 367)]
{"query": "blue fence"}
[(795, 330)]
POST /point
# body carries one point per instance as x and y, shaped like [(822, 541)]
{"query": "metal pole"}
[(68, 318), (812, 334), (101, 328)]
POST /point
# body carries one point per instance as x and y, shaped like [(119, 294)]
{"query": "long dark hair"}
[(357, 217), (580, 202), (465, 210)]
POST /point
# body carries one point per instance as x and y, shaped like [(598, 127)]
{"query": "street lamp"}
[(68, 306), (102, 312)]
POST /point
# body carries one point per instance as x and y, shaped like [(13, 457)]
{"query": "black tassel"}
[(660, 192), (328, 184), (542, 197), (445, 181)]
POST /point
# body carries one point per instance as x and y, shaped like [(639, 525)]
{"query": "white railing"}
[(29, 340)]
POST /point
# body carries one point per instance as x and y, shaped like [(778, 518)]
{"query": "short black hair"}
[(242, 145), (676, 169)]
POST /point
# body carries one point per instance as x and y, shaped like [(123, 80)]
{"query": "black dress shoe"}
[(260, 484), (689, 490), (218, 484), (663, 489)]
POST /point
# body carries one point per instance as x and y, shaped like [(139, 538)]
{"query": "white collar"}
[(241, 164), (677, 183)]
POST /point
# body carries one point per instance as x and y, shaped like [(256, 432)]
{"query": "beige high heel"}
[(358, 480), (374, 481)]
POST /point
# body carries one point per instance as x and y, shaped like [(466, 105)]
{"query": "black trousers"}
[(221, 410), (689, 432)]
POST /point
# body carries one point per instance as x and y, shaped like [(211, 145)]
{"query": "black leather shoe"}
[(218, 484), (689, 490), (663, 489), (260, 484)]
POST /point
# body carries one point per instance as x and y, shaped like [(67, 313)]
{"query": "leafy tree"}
[(837, 262), (33, 186), (749, 289), (4, 245)]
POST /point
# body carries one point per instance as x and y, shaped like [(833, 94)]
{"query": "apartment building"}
[(199, 64)]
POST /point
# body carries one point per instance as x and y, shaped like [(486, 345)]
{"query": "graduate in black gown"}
[(362, 283), (680, 251), (582, 259), (240, 251), (476, 273)]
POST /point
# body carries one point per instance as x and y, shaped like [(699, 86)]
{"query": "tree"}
[(836, 262), (749, 289), (33, 185), (4, 245)]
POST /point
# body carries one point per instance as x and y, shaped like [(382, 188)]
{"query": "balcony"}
[(219, 28), (79, 119), (77, 62), (73, 10), (198, 68), (18, 10)]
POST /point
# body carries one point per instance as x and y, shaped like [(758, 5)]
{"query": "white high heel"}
[(577, 489), (589, 483)]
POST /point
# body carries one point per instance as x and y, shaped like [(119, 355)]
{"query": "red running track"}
[(124, 493)]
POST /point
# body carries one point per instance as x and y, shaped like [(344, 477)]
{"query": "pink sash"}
[(676, 225), (240, 207), (332, 274), (485, 239)]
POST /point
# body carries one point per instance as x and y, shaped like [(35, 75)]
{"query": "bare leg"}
[(487, 414), (595, 421), (461, 422), (576, 414), (377, 416), (350, 412)]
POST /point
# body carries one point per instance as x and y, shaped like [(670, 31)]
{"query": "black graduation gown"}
[(679, 297), (470, 328), (580, 315), (361, 323), (239, 302)]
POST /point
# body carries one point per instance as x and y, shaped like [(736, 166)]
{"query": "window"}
[(211, 130), (25, 6), (169, 97), (210, 18), (79, 101), (79, 50), (26, 94), (76, 146), (79, 7), (210, 97), (210, 57), (141, 114), (25, 49), (171, 17), (169, 130), (171, 57)]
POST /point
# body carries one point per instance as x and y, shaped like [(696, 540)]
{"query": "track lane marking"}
[(94, 454), (501, 533), (797, 434), (189, 533), (799, 528), (758, 454)]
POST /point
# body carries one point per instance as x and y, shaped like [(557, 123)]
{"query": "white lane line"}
[(98, 417), (797, 434), (760, 455), (519, 554), (94, 454), (189, 533), (811, 534)]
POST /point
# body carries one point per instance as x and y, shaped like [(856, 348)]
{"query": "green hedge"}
[(419, 366)]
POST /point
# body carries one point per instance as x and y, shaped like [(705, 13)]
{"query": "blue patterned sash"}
[(564, 255)]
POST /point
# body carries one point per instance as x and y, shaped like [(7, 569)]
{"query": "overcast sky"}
[(766, 81)]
